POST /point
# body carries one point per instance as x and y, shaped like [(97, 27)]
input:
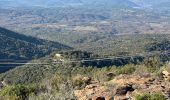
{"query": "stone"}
[(125, 89), (166, 73), (110, 75)]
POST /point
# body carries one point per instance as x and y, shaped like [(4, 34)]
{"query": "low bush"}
[(127, 69), (56, 81), (78, 81), (156, 96), (152, 64), (18, 92)]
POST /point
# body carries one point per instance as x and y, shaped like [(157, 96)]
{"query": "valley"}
[(84, 50), (88, 29)]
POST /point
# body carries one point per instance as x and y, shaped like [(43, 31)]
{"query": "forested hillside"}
[(18, 46), (154, 54)]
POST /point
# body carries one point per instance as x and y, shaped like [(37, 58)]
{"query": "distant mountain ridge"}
[(66, 3), (74, 3), (151, 3)]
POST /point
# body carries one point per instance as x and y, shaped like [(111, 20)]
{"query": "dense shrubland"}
[(59, 81)]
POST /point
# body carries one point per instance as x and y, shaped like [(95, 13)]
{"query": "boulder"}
[(124, 90)]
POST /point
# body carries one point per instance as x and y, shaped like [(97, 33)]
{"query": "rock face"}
[(123, 87)]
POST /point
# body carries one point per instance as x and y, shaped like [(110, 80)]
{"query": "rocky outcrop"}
[(93, 92), (124, 87)]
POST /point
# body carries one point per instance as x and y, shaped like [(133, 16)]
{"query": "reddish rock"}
[(125, 88)]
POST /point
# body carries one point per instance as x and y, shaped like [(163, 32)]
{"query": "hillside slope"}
[(17, 46), (60, 81)]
